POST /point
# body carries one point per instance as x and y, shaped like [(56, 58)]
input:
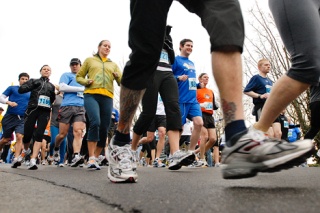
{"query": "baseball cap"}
[(75, 61)]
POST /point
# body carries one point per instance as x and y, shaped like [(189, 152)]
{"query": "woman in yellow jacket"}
[(97, 75)]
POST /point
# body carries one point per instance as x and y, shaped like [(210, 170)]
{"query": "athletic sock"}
[(232, 129), (121, 139)]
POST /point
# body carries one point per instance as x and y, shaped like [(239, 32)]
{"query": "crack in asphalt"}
[(119, 207)]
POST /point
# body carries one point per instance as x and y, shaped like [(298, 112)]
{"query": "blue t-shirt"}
[(71, 98), (259, 85), (21, 99), (188, 88)]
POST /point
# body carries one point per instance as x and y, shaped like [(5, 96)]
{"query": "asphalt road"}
[(51, 189)]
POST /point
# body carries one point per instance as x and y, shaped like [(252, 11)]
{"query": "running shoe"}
[(158, 164), (15, 163), (33, 164), (198, 163), (43, 162), (254, 152), (23, 155), (92, 164), (61, 165), (101, 160), (56, 156), (143, 162), (76, 161), (122, 163), (50, 159), (179, 159)]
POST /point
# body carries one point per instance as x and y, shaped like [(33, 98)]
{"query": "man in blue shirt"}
[(71, 112), (13, 120), (259, 88), (185, 73)]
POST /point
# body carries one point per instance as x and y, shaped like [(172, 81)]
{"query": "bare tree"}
[(263, 41)]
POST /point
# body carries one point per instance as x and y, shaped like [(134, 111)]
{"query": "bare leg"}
[(227, 71), (173, 136), (36, 148), (18, 145), (78, 127), (195, 135), (283, 93), (129, 101), (161, 141)]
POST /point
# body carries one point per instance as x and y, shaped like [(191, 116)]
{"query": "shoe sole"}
[(119, 180), (34, 167), (175, 167), (186, 161), (15, 165), (250, 171), (81, 161), (92, 166)]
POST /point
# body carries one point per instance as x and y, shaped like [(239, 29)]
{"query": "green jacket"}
[(100, 72)]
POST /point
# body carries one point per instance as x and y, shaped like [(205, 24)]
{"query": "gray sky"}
[(38, 32)]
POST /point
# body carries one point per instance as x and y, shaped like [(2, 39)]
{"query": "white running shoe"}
[(15, 163), (23, 155), (56, 156), (180, 158), (122, 163), (253, 152), (33, 164), (76, 161), (92, 164)]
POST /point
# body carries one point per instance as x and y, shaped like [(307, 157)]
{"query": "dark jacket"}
[(40, 88)]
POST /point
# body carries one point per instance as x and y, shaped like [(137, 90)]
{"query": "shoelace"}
[(122, 154)]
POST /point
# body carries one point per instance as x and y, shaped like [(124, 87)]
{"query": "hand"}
[(264, 96), (183, 77), (90, 81), (115, 74), (12, 104)]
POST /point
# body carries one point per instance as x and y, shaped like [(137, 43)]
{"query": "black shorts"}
[(208, 121), (158, 121)]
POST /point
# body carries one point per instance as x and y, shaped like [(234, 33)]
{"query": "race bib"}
[(208, 106), (164, 57), (46, 132), (44, 101), (80, 94), (192, 84)]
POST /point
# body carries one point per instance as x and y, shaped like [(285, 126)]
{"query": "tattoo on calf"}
[(229, 109)]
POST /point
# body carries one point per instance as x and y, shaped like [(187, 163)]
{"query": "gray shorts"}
[(71, 114)]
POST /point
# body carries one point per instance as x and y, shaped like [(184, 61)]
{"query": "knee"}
[(77, 133)]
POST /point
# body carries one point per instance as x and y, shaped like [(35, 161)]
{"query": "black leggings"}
[(36, 116), (166, 84), (315, 120)]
